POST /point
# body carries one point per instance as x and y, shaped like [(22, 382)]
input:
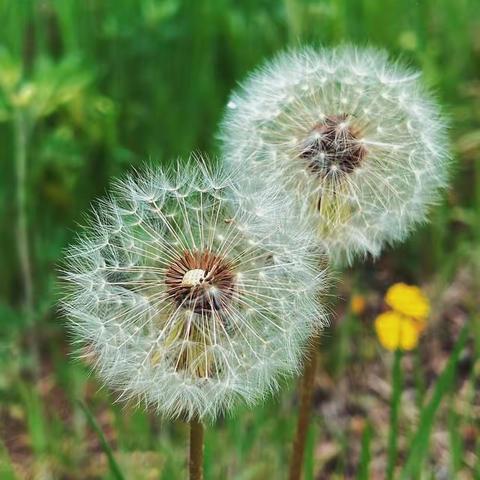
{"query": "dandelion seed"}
[(187, 299), (359, 144)]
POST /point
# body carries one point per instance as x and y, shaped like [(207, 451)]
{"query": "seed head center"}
[(201, 281), (333, 145), (193, 277)]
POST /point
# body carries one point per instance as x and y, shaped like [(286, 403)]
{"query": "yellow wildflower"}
[(400, 327), (358, 304), (408, 300), (396, 331)]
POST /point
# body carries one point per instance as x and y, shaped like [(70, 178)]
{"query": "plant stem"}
[(394, 409), (305, 408), (21, 130), (196, 450)]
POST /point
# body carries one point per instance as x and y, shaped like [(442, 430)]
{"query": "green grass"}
[(365, 455), (6, 468), (420, 441), (111, 84)]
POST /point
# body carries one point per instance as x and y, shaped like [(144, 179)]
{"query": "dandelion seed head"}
[(356, 139), (189, 298)]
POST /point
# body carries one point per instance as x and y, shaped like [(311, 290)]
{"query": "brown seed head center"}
[(333, 145), (200, 281)]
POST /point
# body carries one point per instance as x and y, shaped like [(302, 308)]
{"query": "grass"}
[(420, 441), (110, 84), (365, 455)]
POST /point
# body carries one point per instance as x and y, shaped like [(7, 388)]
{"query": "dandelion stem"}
[(196, 450), (305, 408)]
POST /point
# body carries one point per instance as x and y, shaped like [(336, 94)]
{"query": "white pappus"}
[(354, 138), (186, 297)]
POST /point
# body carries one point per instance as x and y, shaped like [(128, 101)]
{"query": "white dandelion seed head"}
[(356, 139), (186, 299)]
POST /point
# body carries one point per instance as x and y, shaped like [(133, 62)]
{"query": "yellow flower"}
[(358, 304), (408, 300), (396, 331)]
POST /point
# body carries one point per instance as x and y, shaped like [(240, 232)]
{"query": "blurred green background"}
[(91, 88)]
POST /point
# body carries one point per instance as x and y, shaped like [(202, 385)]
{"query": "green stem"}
[(21, 130), (419, 379), (196, 450), (305, 409), (394, 409), (21, 142)]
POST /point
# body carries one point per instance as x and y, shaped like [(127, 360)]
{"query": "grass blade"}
[(420, 442), (6, 468), (114, 467), (365, 454), (37, 428), (457, 453)]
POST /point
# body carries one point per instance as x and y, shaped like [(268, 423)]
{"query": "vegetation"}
[(91, 89)]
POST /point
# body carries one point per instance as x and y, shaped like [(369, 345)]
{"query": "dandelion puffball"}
[(184, 298), (356, 139)]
